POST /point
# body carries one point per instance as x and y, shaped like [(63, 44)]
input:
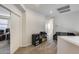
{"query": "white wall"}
[(67, 22), (15, 33), (34, 24), (23, 29)]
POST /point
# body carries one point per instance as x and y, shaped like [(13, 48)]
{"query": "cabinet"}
[(39, 38), (36, 39)]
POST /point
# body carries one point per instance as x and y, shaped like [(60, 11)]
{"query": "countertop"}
[(71, 39)]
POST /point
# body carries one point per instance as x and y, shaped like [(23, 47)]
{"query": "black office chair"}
[(8, 34), (2, 35)]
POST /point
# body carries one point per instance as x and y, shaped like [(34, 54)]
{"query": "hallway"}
[(48, 47)]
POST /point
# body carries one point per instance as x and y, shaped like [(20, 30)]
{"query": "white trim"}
[(11, 10)]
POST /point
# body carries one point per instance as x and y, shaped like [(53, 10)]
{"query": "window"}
[(3, 23)]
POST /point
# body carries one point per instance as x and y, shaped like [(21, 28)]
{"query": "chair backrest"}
[(1, 31), (7, 30)]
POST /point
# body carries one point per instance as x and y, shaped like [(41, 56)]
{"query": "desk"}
[(4, 36)]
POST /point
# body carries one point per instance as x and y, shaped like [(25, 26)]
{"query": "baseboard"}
[(14, 51)]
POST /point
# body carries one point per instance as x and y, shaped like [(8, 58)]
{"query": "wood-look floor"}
[(48, 47)]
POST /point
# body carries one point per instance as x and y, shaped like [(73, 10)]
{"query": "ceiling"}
[(50, 9), (4, 13)]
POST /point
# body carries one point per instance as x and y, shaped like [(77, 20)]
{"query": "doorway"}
[(4, 36), (4, 31), (12, 28), (49, 29)]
